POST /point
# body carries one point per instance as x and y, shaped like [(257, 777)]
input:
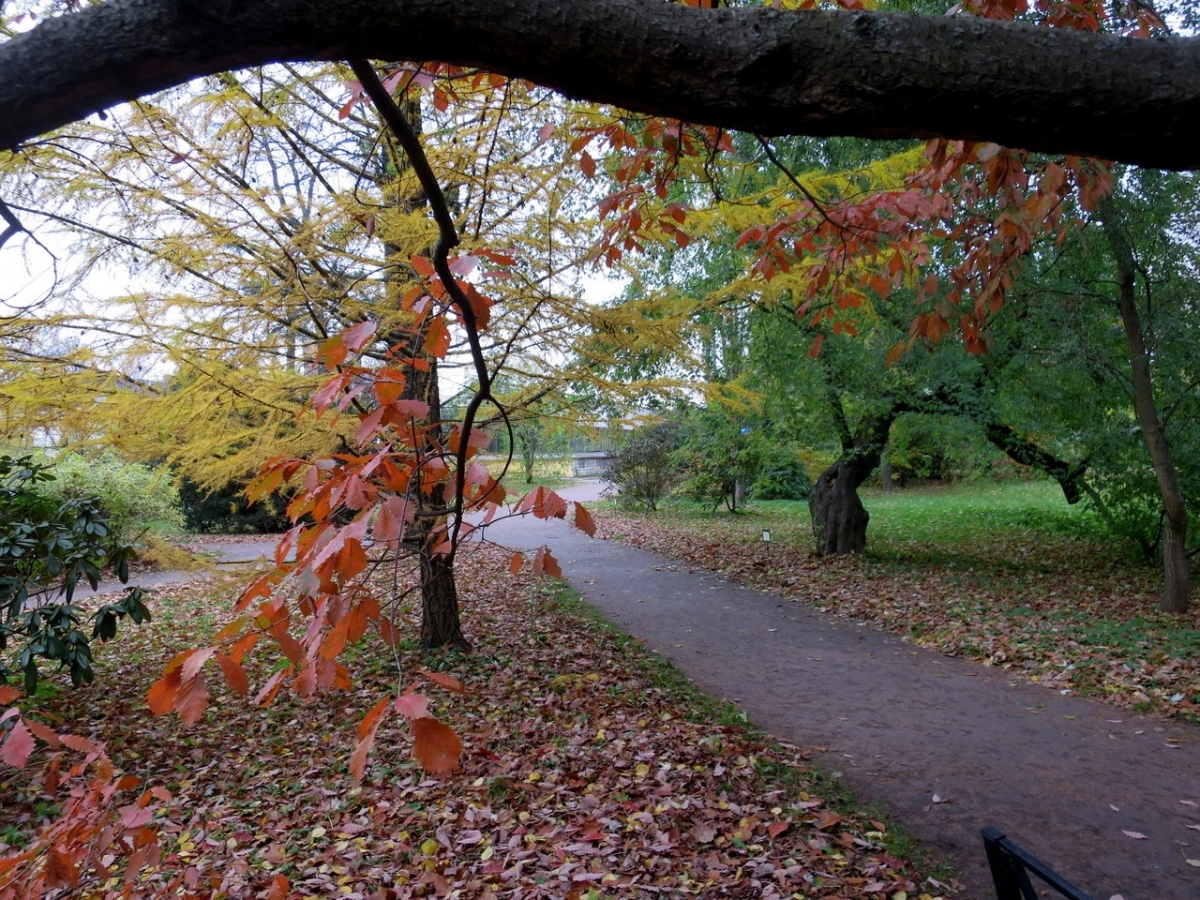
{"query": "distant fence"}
[(1011, 866)]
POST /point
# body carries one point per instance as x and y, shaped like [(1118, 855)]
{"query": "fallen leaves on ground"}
[(1070, 614), (584, 774)]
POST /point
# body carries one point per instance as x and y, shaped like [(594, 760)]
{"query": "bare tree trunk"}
[(885, 474), (440, 625), (1175, 561), (839, 518)]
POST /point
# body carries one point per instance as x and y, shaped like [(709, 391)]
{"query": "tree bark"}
[(821, 73), (839, 519), (440, 625), (1175, 561), (886, 482)]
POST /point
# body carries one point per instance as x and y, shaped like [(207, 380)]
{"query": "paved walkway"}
[(1064, 777), (223, 554)]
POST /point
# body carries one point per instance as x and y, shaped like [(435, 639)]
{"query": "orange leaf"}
[(290, 647), (60, 870), (413, 706), (351, 560), (234, 674), (435, 745), (280, 888), (827, 819), (194, 663), (161, 696), (372, 719), (447, 681), (775, 829), (230, 630), (388, 631), (306, 682), (8, 693), (366, 738), (515, 565), (267, 695), (192, 700), (239, 650), (544, 563), (335, 641), (17, 746), (587, 164), (45, 732), (333, 351), (79, 743), (437, 338), (584, 521), (388, 391), (359, 617), (815, 350)]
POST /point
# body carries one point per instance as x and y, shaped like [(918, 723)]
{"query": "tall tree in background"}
[(309, 230)]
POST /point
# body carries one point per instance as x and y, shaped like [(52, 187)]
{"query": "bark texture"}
[(839, 519), (769, 71), (440, 625)]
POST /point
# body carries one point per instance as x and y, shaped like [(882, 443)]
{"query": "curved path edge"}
[(1066, 778)]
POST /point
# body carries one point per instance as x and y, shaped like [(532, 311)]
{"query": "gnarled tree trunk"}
[(839, 519)]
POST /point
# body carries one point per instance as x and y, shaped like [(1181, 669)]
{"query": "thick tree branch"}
[(1070, 476), (762, 70), (12, 223)]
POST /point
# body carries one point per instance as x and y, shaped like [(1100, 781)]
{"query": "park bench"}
[(1011, 867)]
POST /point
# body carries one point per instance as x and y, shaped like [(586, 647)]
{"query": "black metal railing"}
[(1011, 867)]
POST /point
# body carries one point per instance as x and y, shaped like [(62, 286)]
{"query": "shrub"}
[(782, 475), (132, 496), (644, 472), (226, 510), (47, 546)]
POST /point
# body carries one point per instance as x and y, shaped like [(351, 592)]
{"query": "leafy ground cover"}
[(591, 770), (1001, 574)]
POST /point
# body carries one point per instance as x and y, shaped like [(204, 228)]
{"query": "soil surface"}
[(947, 746)]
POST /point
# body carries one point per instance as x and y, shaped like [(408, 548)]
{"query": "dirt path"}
[(1063, 776)]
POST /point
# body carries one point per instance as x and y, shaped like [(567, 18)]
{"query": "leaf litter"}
[(587, 773)]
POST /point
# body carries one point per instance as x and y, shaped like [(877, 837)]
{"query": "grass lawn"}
[(1001, 573), (591, 770)]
